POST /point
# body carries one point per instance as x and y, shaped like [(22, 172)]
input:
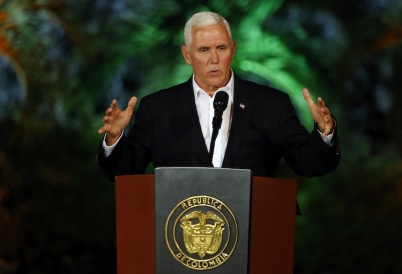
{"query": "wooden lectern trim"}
[(135, 221), (273, 223)]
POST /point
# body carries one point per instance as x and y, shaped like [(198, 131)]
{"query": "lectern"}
[(270, 228)]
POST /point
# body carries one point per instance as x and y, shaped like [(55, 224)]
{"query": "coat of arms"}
[(201, 232), (202, 237)]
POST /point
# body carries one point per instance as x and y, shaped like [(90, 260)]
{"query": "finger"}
[(109, 111), (325, 116), (306, 94), (307, 97), (326, 131), (131, 104), (321, 103), (101, 130), (114, 105), (325, 110), (104, 129), (328, 127)]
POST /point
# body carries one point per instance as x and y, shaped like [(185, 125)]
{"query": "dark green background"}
[(62, 62)]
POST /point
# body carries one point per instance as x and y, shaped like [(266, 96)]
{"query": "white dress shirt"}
[(205, 110)]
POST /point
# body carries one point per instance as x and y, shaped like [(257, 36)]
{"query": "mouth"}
[(214, 72)]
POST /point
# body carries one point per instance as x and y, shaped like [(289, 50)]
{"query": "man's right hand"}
[(116, 120)]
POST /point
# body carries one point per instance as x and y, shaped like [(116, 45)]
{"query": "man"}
[(173, 126)]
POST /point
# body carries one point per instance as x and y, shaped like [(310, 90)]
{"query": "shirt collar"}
[(228, 88)]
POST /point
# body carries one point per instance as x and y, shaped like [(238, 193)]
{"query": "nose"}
[(214, 57)]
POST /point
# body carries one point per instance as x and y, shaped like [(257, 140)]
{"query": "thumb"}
[(307, 97), (306, 93), (131, 104)]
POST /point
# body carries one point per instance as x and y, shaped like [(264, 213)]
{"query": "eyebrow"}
[(218, 46)]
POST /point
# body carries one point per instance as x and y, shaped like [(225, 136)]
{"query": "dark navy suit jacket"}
[(264, 129)]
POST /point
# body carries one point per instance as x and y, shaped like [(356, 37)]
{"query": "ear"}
[(233, 48), (186, 54)]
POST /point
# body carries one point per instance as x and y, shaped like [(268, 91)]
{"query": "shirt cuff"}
[(328, 139), (109, 149)]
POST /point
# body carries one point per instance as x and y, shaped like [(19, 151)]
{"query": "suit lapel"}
[(243, 108), (189, 122)]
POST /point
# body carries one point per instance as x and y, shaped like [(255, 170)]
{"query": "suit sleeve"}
[(132, 154), (306, 153)]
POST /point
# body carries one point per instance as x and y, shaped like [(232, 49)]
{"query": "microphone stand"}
[(220, 104), (216, 125)]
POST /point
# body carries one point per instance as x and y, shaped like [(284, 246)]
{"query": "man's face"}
[(210, 54)]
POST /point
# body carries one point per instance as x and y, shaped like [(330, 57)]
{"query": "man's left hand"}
[(320, 113)]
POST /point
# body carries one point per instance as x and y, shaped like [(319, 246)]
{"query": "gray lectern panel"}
[(202, 220)]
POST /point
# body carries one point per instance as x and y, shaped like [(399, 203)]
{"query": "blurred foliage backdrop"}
[(63, 61)]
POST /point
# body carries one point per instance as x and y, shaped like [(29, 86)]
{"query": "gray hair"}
[(203, 19)]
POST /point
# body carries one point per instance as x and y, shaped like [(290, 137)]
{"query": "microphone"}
[(220, 104)]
